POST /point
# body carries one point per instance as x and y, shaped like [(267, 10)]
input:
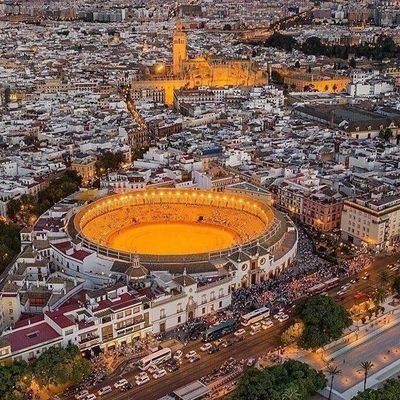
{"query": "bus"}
[(255, 316), (332, 283), (317, 289), (219, 330), (155, 358)]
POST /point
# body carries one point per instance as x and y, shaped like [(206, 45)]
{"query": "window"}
[(162, 313), (220, 304), (179, 319), (120, 315), (179, 307), (203, 310), (128, 312)]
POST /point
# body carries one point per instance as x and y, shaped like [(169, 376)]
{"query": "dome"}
[(136, 271)]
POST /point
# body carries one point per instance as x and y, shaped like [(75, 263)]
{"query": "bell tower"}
[(179, 49)]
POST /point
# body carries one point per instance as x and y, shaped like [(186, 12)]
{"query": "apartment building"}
[(85, 167), (310, 202), (374, 222), (93, 320)]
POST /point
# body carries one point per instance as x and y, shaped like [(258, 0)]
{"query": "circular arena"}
[(173, 223)]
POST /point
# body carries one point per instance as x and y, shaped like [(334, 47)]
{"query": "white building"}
[(374, 222)]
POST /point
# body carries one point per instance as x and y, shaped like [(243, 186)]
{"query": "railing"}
[(213, 284), (167, 299)]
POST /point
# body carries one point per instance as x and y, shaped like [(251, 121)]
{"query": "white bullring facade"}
[(103, 297)]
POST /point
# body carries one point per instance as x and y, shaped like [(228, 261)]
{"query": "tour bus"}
[(155, 358), (255, 316), (220, 330)]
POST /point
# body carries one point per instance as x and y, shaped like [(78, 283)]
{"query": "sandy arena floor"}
[(172, 238)]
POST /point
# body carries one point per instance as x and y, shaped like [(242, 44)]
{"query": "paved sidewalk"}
[(377, 341)]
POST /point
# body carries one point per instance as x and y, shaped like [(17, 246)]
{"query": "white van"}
[(104, 390)]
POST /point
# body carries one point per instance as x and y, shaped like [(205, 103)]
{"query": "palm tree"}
[(332, 370), (380, 295), (384, 278), (291, 393), (366, 366), (396, 285)]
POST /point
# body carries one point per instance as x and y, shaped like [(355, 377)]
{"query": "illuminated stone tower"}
[(179, 49)]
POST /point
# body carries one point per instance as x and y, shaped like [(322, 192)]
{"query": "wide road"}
[(251, 346)]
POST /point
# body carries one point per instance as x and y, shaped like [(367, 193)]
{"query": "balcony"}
[(88, 341), (133, 323)]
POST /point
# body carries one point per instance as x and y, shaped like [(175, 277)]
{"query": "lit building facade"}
[(200, 71), (372, 222)]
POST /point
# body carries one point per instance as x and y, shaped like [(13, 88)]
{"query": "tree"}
[(13, 207), (14, 378), (389, 391), (384, 278), (379, 296), (352, 63), (396, 285), (291, 393), (292, 378), (293, 333), (323, 320), (297, 64), (109, 162), (366, 366), (59, 365), (279, 41), (333, 371), (10, 243), (227, 27), (385, 134)]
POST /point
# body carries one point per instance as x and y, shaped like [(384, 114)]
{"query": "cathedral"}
[(200, 71)]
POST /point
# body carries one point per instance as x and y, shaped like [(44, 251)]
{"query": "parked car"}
[(104, 390), (283, 318), (240, 332), (213, 349), (191, 354), (266, 323), (120, 383), (194, 358), (206, 346), (91, 397), (178, 355), (141, 375), (126, 387), (153, 368), (227, 343), (81, 395), (142, 380), (172, 367), (160, 373)]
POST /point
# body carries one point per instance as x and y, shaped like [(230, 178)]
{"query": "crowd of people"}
[(280, 292), (104, 226)]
